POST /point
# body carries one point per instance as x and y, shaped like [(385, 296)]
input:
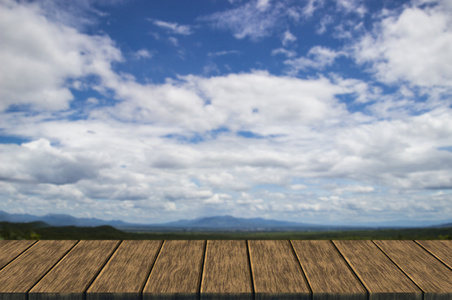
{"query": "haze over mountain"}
[(207, 223)]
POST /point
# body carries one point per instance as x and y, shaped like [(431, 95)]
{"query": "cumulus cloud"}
[(414, 46), (317, 58), (39, 58), (39, 162), (142, 54), (287, 53), (288, 38), (195, 145)]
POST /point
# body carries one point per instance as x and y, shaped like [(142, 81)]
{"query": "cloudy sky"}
[(320, 111)]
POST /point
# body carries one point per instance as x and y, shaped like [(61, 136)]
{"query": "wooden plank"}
[(328, 274), (21, 274), (125, 274), (433, 277), (9, 250), (226, 272), (442, 250), (276, 271), (381, 277), (70, 278), (177, 271)]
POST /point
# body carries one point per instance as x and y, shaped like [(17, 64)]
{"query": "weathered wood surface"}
[(74, 273), (18, 277), (328, 274), (142, 270), (433, 277), (177, 271), (227, 271), (439, 249), (124, 276), (276, 271), (382, 278)]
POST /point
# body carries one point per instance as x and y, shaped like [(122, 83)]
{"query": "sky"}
[(316, 111)]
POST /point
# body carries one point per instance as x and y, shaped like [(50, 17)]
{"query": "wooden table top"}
[(229, 269)]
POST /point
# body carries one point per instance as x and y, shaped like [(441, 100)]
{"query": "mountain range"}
[(205, 223)]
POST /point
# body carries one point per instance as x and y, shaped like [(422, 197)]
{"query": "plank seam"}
[(433, 254), (19, 255), (348, 263), (302, 270), (100, 269), (352, 271), (50, 269), (151, 269), (203, 266), (400, 268), (251, 269)]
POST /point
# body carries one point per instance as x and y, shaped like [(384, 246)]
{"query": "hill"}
[(40, 230)]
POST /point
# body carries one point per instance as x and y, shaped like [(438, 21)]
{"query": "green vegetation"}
[(40, 230)]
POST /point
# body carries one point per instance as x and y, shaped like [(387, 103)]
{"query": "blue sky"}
[(332, 112)]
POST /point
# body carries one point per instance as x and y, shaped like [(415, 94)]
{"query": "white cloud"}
[(143, 54), (221, 53), (197, 145), (287, 53), (317, 58), (39, 57), (413, 47), (311, 6), (352, 6), (255, 19), (288, 38), (174, 27)]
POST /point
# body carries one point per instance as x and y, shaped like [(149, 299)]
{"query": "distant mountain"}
[(60, 220), (230, 222), (206, 223)]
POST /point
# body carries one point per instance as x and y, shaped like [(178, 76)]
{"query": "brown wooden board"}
[(70, 278), (226, 272), (21, 274), (11, 249), (381, 277), (177, 271), (328, 274), (441, 249), (433, 277), (125, 274), (276, 271)]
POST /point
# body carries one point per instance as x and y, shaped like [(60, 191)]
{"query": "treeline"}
[(42, 231)]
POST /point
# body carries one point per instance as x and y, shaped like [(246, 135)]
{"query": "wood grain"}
[(177, 271), (9, 250), (70, 278), (433, 277), (226, 272), (327, 272), (440, 249), (382, 278), (276, 271), (125, 274), (20, 275)]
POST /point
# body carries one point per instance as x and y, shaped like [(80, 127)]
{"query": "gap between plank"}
[(100, 270), (251, 269), (302, 270), (19, 255), (150, 269), (423, 292), (353, 271), (433, 254), (54, 265), (203, 266)]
